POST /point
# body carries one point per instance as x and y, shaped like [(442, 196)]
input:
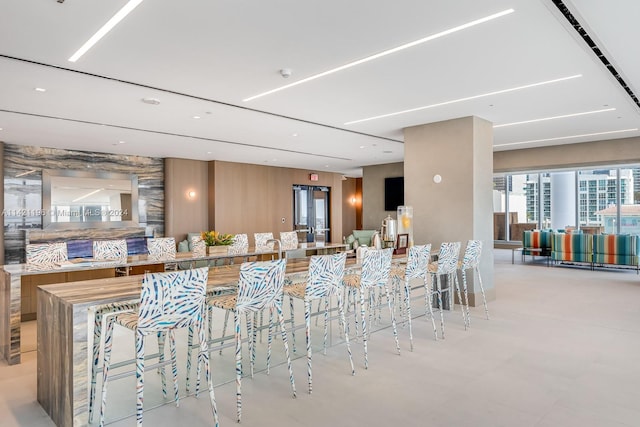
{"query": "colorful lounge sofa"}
[(572, 247), (616, 249)]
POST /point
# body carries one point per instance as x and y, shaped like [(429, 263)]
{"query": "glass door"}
[(311, 213)]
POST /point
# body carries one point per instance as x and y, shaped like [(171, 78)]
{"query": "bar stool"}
[(259, 287), (168, 301), (289, 240), (198, 247), (240, 245), (376, 267), (416, 268), (261, 242), (163, 249), (324, 281), (471, 261), (105, 250), (446, 265)]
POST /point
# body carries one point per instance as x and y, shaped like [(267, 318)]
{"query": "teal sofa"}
[(362, 236)]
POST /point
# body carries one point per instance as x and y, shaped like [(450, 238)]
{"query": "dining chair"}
[(261, 242), (446, 266), (260, 287), (375, 272), (471, 261), (416, 268), (168, 301), (324, 280), (46, 254), (110, 250)]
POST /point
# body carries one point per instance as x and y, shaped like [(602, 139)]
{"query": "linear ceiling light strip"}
[(384, 53), (567, 137), (594, 48), (115, 19), (468, 98), (564, 116)]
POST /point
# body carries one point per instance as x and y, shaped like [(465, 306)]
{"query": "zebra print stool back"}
[(198, 247), (110, 250), (172, 299), (240, 245), (325, 275), (376, 266), (418, 262), (162, 249), (46, 254), (289, 240), (260, 285), (261, 242), (472, 254), (448, 258)]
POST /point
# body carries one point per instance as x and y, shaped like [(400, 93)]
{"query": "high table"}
[(63, 312), (11, 284)]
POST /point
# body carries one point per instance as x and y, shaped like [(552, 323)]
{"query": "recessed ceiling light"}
[(362, 146), (208, 152), (119, 16), (0, 128), (567, 137), (385, 53), (564, 116), (196, 117), (468, 98), (295, 134), (151, 101), (121, 142), (39, 89), (326, 166)]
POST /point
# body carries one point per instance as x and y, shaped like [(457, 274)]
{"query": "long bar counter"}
[(11, 277)]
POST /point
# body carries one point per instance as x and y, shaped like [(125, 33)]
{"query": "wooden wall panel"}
[(254, 198), (348, 208), (183, 214)]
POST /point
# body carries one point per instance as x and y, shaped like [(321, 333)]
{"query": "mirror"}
[(89, 199)]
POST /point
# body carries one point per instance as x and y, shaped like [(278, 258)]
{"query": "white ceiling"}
[(203, 57)]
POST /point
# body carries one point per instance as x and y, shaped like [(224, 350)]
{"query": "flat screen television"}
[(393, 193)]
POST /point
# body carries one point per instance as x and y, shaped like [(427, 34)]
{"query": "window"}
[(606, 200)]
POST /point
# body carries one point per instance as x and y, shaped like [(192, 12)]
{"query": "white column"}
[(563, 200)]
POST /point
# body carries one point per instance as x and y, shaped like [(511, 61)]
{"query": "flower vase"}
[(217, 250)]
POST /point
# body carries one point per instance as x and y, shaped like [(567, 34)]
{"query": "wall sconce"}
[(191, 194), (353, 200)]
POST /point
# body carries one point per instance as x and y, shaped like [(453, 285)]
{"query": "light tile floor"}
[(561, 349)]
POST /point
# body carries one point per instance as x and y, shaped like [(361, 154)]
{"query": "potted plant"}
[(217, 243)]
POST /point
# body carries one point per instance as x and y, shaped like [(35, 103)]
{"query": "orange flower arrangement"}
[(214, 238)]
